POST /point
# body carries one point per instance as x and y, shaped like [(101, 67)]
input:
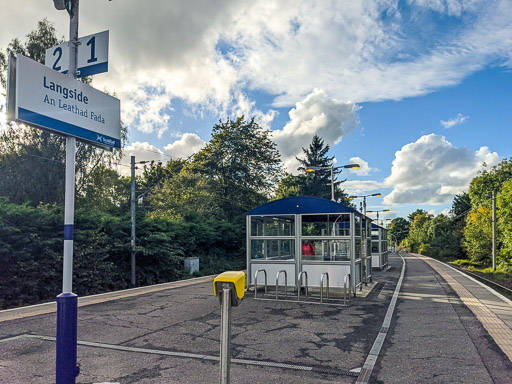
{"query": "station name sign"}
[(53, 101)]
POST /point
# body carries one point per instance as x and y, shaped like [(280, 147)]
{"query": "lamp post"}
[(312, 169), (364, 199), (377, 212), (132, 213), (390, 234)]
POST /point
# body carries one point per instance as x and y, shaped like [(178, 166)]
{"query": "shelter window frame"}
[(326, 250), (314, 225), (282, 226)]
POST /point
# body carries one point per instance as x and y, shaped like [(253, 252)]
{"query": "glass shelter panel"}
[(273, 225), (326, 225), (278, 249), (357, 224), (325, 250)]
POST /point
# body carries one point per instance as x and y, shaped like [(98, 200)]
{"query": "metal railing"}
[(299, 284), (345, 289), (285, 282), (325, 274), (256, 281)]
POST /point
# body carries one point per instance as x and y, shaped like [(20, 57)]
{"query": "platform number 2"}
[(58, 53)]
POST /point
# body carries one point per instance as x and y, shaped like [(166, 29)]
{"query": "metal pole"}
[(225, 335), (332, 183), (493, 230), (132, 211), (67, 302)]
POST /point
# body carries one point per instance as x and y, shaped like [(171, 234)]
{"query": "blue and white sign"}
[(92, 55), (59, 103)]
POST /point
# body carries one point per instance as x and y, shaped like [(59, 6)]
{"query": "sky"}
[(418, 92)]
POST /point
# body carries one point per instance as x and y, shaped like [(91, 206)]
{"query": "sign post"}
[(41, 96), (67, 302)]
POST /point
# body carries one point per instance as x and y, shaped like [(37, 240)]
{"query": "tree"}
[(461, 204), (317, 183), (415, 213), (184, 195), (419, 232), (399, 228), (242, 162), (488, 181), (290, 185), (504, 223), (478, 235)]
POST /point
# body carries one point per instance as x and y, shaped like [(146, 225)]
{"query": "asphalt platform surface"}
[(172, 336)]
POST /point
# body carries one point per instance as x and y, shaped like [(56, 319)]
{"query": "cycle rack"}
[(299, 284), (277, 282), (345, 289), (323, 277), (256, 281), (325, 274)]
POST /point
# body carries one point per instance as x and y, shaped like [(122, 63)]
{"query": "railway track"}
[(507, 292)]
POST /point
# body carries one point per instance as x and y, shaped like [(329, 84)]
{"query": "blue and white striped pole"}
[(67, 302)]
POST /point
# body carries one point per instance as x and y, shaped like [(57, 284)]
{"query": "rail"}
[(299, 284), (256, 281), (285, 283), (325, 274)]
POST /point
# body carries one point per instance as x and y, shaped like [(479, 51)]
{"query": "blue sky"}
[(417, 91)]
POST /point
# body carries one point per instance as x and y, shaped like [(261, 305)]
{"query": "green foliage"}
[(317, 183), (290, 186), (399, 228), (243, 164), (32, 246), (504, 223), (419, 232), (185, 195), (30, 253), (478, 235), (488, 181), (460, 205)]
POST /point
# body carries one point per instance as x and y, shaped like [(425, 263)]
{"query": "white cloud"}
[(459, 119), (206, 53), (362, 187), (363, 170), (432, 170), (142, 152), (189, 144), (318, 115)]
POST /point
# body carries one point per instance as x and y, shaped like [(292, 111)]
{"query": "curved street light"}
[(312, 169), (364, 199), (377, 212)]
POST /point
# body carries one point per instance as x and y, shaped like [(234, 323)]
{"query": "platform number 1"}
[(92, 44)]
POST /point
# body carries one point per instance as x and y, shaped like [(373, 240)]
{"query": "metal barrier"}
[(322, 286), (299, 284), (256, 281), (345, 289), (285, 283)]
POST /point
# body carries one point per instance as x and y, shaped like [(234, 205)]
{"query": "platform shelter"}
[(379, 246), (309, 234)]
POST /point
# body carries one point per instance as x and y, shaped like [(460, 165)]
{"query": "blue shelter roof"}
[(300, 205), (375, 226)]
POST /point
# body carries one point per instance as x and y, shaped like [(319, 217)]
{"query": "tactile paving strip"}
[(496, 328)]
